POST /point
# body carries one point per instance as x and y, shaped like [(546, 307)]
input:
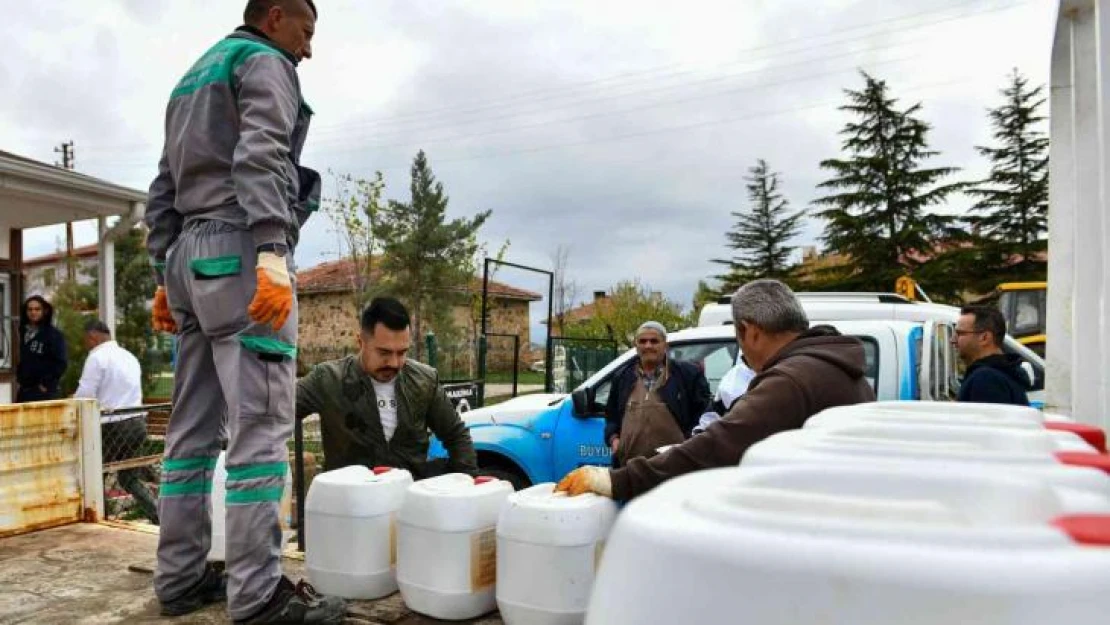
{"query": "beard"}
[(384, 374)]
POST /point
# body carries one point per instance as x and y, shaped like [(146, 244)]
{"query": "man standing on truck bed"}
[(800, 371), (655, 401), (230, 196)]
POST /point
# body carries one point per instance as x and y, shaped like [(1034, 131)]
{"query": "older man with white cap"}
[(654, 401)]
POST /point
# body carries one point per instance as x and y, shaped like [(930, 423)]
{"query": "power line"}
[(624, 111), (676, 128), (320, 132), (626, 136), (652, 73)]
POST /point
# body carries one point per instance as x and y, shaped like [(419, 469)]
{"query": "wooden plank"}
[(132, 463)]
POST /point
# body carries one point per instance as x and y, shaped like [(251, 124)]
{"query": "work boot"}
[(211, 588), (298, 604)]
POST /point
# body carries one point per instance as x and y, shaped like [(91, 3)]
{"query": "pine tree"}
[(426, 258), (877, 211), (1013, 200), (760, 236)]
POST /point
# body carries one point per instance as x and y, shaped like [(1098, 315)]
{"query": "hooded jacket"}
[(42, 356), (996, 379), (817, 370)]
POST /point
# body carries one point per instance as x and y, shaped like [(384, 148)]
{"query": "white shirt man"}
[(112, 376)]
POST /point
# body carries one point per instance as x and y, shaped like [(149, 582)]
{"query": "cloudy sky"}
[(621, 129)]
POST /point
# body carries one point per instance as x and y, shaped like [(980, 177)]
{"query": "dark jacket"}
[(686, 393), (996, 379), (42, 356), (343, 395), (818, 370)]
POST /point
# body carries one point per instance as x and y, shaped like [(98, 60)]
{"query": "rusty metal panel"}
[(48, 451)]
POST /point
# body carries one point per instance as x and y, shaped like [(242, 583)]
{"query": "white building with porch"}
[(34, 194)]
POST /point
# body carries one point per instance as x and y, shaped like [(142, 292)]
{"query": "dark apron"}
[(648, 424)]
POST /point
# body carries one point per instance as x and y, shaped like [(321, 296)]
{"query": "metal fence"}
[(575, 360), (132, 461)]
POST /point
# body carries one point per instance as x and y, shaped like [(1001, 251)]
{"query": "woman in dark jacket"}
[(42, 352)]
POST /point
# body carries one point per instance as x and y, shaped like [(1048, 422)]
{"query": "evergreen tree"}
[(76, 302), (426, 258), (760, 236), (1013, 200), (880, 191), (134, 284), (704, 294)]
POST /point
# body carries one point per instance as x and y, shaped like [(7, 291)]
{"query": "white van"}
[(828, 307)]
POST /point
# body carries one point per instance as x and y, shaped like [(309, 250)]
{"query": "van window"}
[(714, 358)]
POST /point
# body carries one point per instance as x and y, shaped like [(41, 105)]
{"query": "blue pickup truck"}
[(539, 438)]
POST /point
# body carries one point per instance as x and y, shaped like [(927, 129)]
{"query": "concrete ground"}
[(88, 574)]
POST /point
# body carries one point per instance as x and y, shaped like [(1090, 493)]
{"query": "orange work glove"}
[(273, 297), (586, 480), (161, 319)]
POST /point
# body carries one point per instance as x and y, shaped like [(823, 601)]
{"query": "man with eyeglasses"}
[(992, 376), (655, 401)]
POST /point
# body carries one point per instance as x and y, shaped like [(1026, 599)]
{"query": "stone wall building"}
[(329, 319)]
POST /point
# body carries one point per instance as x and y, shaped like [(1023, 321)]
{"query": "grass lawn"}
[(506, 377)]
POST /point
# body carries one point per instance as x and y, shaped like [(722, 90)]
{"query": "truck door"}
[(938, 378), (580, 439)]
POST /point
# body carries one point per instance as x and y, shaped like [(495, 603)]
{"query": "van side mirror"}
[(583, 401), (1027, 367)]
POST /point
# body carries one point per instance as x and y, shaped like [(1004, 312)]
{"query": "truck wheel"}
[(514, 477)]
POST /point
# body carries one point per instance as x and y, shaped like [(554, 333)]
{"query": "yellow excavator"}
[(1023, 306)]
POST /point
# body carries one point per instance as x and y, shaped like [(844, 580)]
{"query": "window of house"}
[(49, 277), (7, 325)]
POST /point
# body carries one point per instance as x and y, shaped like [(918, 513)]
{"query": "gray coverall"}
[(228, 181)]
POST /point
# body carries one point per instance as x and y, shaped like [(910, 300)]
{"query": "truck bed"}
[(90, 573)]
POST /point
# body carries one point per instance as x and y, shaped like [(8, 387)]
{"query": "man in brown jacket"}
[(800, 372)]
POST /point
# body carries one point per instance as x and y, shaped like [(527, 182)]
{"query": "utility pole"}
[(67, 152)]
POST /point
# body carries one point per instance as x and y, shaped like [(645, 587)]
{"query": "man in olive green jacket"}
[(377, 407)]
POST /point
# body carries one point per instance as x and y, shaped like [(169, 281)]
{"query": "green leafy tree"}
[(761, 236), (704, 294), (354, 213), (426, 257), (628, 305), (1012, 218), (74, 304), (877, 210), (134, 286)]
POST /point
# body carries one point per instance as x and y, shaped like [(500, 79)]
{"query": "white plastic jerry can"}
[(959, 414), (548, 549), (350, 529), (1033, 454), (447, 545), (842, 545)]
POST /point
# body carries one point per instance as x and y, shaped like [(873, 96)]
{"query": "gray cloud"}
[(621, 129)]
